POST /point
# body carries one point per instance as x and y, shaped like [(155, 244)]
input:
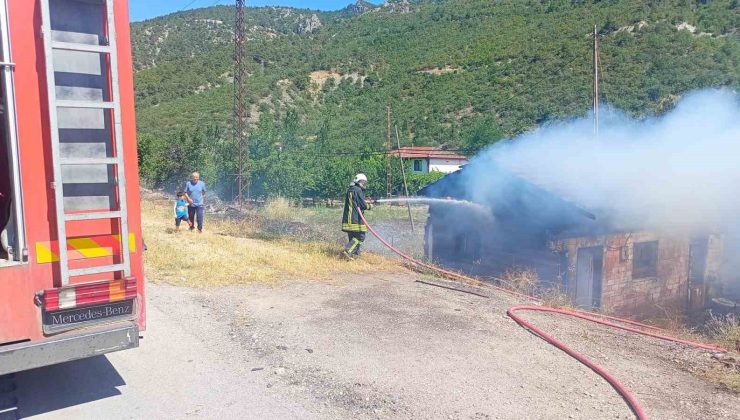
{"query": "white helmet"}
[(360, 177)]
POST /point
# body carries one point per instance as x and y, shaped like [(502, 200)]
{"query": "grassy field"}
[(324, 224), (241, 251)]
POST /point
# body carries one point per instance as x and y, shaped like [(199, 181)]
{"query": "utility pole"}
[(405, 185), (388, 168), (596, 83), (240, 113)]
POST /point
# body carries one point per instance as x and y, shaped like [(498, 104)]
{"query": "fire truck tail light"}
[(88, 294), (67, 298)]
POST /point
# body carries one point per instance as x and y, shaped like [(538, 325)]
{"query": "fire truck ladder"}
[(52, 46)]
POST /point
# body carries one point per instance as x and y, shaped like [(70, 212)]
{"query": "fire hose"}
[(588, 316)]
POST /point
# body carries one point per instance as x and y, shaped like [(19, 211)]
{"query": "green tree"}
[(484, 133)]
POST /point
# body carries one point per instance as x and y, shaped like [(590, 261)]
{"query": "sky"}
[(146, 9)]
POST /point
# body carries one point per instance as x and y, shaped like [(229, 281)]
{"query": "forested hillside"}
[(456, 73)]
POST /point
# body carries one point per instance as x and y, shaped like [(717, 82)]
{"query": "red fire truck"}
[(71, 272)]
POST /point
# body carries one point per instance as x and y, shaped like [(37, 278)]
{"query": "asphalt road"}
[(174, 374)]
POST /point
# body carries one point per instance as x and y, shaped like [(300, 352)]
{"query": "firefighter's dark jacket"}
[(351, 220)]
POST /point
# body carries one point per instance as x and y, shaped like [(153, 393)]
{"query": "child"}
[(181, 210)]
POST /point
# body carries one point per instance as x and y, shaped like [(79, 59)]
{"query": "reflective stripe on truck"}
[(83, 247)]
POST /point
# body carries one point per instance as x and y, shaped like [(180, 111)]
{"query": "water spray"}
[(443, 201)]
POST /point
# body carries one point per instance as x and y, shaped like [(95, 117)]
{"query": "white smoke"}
[(678, 171)]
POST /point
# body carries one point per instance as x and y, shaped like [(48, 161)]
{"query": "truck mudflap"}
[(75, 345)]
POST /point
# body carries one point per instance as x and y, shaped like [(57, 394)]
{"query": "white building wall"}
[(445, 166)]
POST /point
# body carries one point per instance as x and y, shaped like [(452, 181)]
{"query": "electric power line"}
[(192, 2), (187, 5)]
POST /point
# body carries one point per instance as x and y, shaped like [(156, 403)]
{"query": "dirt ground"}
[(377, 346), (373, 343), (366, 347)]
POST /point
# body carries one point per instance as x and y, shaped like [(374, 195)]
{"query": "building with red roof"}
[(429, 159)]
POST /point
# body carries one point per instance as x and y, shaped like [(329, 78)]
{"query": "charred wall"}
[(484, 245), (646, 274)]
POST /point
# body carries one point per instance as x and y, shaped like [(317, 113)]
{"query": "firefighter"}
[(351, 221)]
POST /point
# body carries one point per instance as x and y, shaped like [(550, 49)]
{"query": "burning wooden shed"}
[(618, 269)]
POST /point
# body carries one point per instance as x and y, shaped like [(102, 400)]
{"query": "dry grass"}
[(726, 330), (725, 372), (228, 253), (555, 297), (526, 280), (279, 209), (673, 318), (724, 368), (731, 381), (521, 279)]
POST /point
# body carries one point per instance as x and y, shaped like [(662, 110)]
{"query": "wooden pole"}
[(388, 168), (240, 95), (596, 83), (405, 185)]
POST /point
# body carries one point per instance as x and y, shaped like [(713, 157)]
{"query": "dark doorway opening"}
[(698, 248), (589, 268)]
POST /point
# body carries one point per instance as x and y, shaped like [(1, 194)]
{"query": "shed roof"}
[(516, 195)]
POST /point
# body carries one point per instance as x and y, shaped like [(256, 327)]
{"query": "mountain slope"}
[(457, 73)]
